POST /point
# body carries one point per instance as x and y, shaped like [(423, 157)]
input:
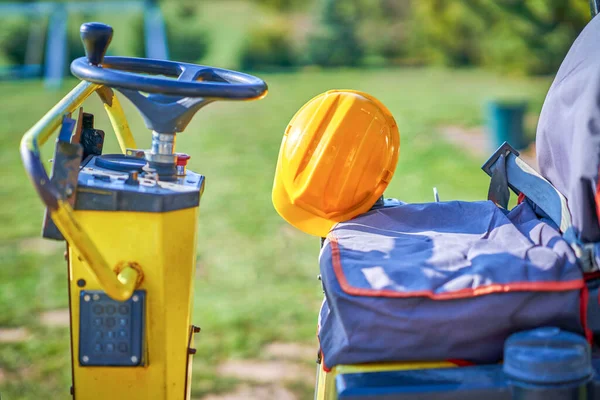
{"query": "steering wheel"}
[(174, 97)]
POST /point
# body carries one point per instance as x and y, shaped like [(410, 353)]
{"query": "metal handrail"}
[(118, 285)]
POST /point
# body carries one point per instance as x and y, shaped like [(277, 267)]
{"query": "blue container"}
[(506, 123), (548, 364)]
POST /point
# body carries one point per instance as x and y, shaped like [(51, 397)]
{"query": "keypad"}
[(111, 332)]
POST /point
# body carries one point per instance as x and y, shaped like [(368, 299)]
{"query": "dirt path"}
[(286, 365), (246, 392), (41, 246), (13, 335), (56, 318), (476, 141)]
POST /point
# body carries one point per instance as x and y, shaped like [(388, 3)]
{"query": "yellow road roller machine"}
[(130, 219)]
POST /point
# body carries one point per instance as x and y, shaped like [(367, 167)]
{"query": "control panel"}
[(111, 333), (116, 182)]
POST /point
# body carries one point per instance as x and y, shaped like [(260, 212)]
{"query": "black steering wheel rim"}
[(194, 81)]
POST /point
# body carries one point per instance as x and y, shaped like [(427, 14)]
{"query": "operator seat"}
[(568, 134)]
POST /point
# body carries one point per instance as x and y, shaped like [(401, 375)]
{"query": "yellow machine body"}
[(164, 246), (123, 255), (130, 219)]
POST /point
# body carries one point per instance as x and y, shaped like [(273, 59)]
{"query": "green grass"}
[(256, 280)]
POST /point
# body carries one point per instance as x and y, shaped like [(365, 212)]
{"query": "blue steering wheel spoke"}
[(191, 73), (209, 74), (165, 113)]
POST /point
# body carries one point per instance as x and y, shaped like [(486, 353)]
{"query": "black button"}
[(98, 309), (123, 347), (110, 309), (100, 177), (123, 309), (110, 322)]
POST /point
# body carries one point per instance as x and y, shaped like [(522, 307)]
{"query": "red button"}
[(182, 159)]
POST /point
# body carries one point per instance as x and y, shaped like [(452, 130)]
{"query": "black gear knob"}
[(95, 37)]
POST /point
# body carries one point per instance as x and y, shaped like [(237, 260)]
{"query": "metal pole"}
[(594, 7), (56, 52), (154, 29)]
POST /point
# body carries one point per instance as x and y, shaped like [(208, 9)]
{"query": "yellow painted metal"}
[(326, 380), (118, 286), (407, 366), (154, 252), (326, 385), (188, 390), (117, 118), (165, 245), (41, 131)]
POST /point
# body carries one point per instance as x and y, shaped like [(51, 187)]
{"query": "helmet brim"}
[(305, 221)]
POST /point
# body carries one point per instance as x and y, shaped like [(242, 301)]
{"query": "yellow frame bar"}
[(117, 118), (43, 129), (118, 285)]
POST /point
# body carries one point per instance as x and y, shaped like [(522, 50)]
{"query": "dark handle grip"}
[(95, 37)]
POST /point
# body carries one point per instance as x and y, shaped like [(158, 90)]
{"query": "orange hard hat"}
[(338, 155)]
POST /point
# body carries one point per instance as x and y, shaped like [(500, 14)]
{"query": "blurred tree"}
[(395, 10), (394, 42), (266, 47), (286, 5), (526, 36), (137, 44), (187, 42), (185, 9), (74, 46), (186, 39), (450, 31), (335, 42), (385, 31), (13, 39), (533, 36)]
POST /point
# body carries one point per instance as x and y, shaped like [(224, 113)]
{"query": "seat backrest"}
[(568, 133)]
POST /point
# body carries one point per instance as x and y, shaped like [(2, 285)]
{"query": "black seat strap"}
[(498, 191)]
